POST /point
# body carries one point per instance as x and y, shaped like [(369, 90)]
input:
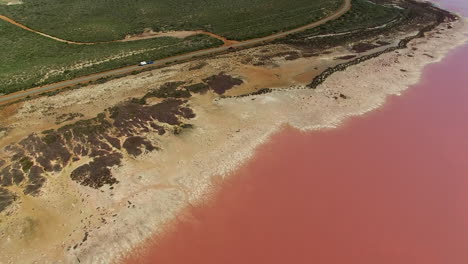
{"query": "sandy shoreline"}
[(156, 187), (369, 93)]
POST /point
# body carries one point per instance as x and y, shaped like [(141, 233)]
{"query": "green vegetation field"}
[(29, 60), (104, 20), (363, 15)]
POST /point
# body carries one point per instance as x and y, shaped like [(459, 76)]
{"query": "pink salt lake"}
[(387, 187)]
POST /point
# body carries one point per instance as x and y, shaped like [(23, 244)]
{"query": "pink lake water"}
[(387, 187)]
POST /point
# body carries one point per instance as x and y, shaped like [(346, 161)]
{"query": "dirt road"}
[(19, 95), (156, 35)]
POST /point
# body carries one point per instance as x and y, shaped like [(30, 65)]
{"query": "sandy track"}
[(345, 7), (176, 34)]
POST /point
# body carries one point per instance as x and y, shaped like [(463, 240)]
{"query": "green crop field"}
[(105, 20)]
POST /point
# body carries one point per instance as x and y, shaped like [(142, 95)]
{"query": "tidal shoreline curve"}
[(369, 82), (91, 174)]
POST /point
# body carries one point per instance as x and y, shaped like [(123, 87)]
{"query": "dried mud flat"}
[(89, 174)]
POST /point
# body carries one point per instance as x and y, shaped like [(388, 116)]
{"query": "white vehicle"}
[(143, 63)]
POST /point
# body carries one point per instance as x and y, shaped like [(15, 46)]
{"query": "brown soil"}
[(149, 33), (199, 88), (382, 43), (169, 89), (68, 117), (222, 82), (6, 198), (135, 145), (97, 173), (363, 47), (347, 57), (98, 139)]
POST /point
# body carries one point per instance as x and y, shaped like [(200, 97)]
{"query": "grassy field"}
[(29, 60), (104, 20), (363, 15)]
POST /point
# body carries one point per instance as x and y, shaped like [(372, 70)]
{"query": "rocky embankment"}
[(436, 14)]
